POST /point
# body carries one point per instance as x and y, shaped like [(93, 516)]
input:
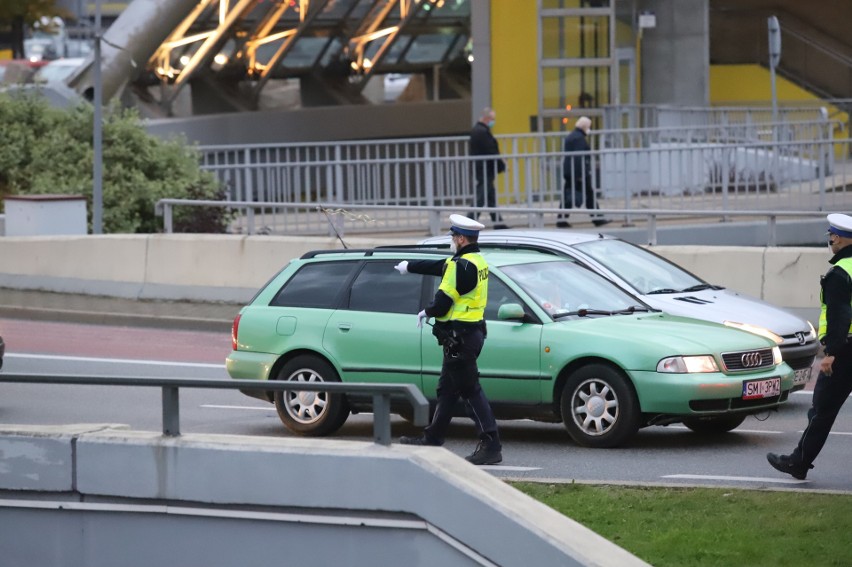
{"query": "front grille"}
[(799, 363), (747, 360)]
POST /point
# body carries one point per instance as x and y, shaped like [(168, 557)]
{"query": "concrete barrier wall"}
[(231, 268), (91, 495)]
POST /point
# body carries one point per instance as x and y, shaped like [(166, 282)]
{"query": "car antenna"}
[(331, 224)]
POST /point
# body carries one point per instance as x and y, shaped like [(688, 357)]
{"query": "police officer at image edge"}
[(459, 311), (834, 383)]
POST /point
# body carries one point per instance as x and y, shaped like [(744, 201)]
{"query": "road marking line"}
[(114, 360), (215, 406), (509, 468), (734, 478)]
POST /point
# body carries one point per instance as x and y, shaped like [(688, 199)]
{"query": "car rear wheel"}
[(310, 412), (713, 425), (599, 407)]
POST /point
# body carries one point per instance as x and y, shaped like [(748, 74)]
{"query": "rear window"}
[(315, 285)]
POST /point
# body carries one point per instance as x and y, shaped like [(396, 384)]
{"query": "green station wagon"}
[(564, 344)]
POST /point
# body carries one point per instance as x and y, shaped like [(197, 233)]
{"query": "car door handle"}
[(344, 326)]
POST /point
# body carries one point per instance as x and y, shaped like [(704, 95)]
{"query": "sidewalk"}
[(78, 308)]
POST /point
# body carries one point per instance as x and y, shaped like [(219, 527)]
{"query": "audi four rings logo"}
[(751, 359)]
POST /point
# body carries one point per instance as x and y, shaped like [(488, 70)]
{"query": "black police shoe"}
[(487, 453), (417, 440), (785, 464), (501, 226), (600, 222), (563, 224)]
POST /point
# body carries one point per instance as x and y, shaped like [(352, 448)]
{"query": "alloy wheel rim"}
[(305, 406), (594, 407)]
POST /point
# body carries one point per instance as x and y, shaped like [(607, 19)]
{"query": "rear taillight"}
[(235, 329)]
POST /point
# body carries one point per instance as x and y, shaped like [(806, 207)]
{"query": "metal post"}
[(167, 218), (773, 227), (381, 419), (428, 174), (652, 229), (171, 411), (97, 142)]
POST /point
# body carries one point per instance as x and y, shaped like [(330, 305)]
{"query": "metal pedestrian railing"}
[(743, 165), (381, 394)]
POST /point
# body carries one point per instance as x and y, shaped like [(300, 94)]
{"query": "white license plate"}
[(802, 376), (755, 389)]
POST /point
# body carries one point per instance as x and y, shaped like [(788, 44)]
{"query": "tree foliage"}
[(17, 15), (29, 10), (50, 151)]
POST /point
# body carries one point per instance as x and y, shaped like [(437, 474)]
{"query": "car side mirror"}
[(511, 312)]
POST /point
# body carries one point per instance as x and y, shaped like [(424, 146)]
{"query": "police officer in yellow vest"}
[(459, 308), (834, 383)]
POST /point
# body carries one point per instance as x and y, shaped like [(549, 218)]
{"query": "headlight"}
[(754, 329), (688, 364), (776, 356)]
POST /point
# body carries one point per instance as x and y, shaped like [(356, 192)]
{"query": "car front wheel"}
[(310, 412), (599, 407), (714, 425)]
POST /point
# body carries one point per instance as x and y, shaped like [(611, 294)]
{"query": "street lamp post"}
[(97, 160)]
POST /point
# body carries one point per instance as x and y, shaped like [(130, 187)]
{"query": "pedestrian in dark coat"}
[(483, 143), (578, 186)]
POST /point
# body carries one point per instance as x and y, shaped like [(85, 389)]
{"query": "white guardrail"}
[(328, 219)]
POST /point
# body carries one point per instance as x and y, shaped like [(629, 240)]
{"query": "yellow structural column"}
[(514, 64)]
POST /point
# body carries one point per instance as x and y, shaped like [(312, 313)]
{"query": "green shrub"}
[(49, 151)]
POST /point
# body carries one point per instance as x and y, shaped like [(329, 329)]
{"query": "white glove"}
[(402, 267), (420, 318)]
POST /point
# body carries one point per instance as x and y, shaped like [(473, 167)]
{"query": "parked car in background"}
[(14, 71), (564, 344), (58, 70), (670, 288)]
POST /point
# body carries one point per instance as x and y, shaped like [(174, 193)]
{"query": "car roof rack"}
[(493, 245), (371, 251)]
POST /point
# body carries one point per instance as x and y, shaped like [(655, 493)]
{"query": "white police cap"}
[(460, 224), (840, 224)]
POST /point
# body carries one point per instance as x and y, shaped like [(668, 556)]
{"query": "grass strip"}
[(698, 527)]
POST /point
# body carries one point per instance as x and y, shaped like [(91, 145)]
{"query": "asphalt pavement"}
[(79, 308)]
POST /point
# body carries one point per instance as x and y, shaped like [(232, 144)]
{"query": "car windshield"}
[(646, 272), (565, 288)]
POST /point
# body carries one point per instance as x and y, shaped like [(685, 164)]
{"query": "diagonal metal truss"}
[(223, 38)]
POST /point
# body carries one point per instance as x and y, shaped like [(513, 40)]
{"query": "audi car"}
[(564, 345)]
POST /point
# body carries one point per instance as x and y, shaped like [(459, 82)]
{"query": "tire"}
[(599, 407), (306, 412), (714, 425)]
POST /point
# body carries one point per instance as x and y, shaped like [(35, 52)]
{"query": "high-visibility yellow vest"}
[(469, 307), (845, 264)]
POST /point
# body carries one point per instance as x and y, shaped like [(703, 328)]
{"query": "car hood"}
[(667, 334), (721, 305)]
